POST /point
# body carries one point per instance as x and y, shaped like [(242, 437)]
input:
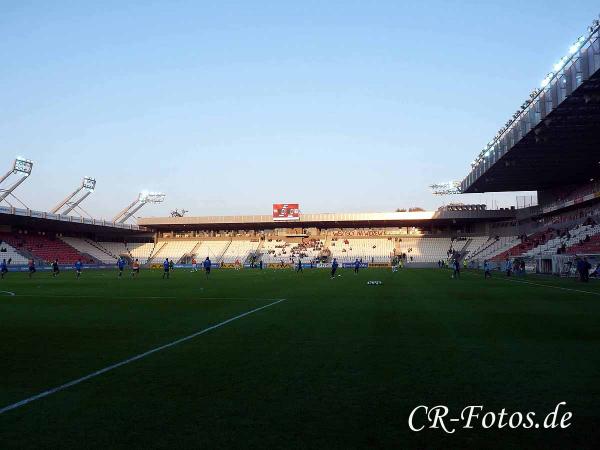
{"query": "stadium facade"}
[(549, 146)]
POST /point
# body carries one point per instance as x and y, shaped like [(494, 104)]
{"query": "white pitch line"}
[(551, 286), (129, 297), (12, 294), (543, 285), (62, 387), (87, 296)]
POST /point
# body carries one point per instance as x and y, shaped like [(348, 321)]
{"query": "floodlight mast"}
[(446, 188), (21, 167), (143, 198), (72, 201)]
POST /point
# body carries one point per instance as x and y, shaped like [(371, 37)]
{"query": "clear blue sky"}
[(231, 106)]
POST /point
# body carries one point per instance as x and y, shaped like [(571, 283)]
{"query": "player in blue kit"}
[(356, 265), (121, 266), (3, 268), (78, 266), (334, 267)]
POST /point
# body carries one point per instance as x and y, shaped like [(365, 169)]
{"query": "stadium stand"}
[(174, 250), (239, 251), (91, 248), (9, 253), (429, 250), (367, 250), (492, 247), (141, 251), (45, 248), (213, 249)]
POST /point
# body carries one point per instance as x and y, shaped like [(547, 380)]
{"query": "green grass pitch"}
[(338, 364)]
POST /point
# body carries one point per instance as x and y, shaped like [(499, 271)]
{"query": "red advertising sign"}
[(286, 211)]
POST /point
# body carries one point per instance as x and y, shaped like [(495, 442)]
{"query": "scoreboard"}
[(286, 211)]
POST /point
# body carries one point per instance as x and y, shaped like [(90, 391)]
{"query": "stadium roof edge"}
[(530, 151), (329, 218)]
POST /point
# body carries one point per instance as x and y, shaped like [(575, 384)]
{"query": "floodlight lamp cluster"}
[(22, 165), (151, 197), (89, 184), (446, 188), (22, 168)]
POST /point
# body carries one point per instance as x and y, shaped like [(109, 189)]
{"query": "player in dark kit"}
[(456, 273), (334, 267), (207, 265), (299, 266), (356, 265), (31, 265), (166, 268), (55, 268)]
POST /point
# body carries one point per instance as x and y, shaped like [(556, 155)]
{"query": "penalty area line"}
[(62, 387)]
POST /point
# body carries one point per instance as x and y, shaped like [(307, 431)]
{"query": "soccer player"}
[(356, 266), (121, 265), (31, 265), (486, 269), (135, 268), (334, 267), (55, 268), (3, 269), (207, 265), (508, 267), (194, 265), (166, 267), (78, 266), (456, 273), (299, 266)]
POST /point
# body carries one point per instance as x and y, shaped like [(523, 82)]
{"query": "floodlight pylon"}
[(446, 188), (21, 168), (143, 198), (72, 201)]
